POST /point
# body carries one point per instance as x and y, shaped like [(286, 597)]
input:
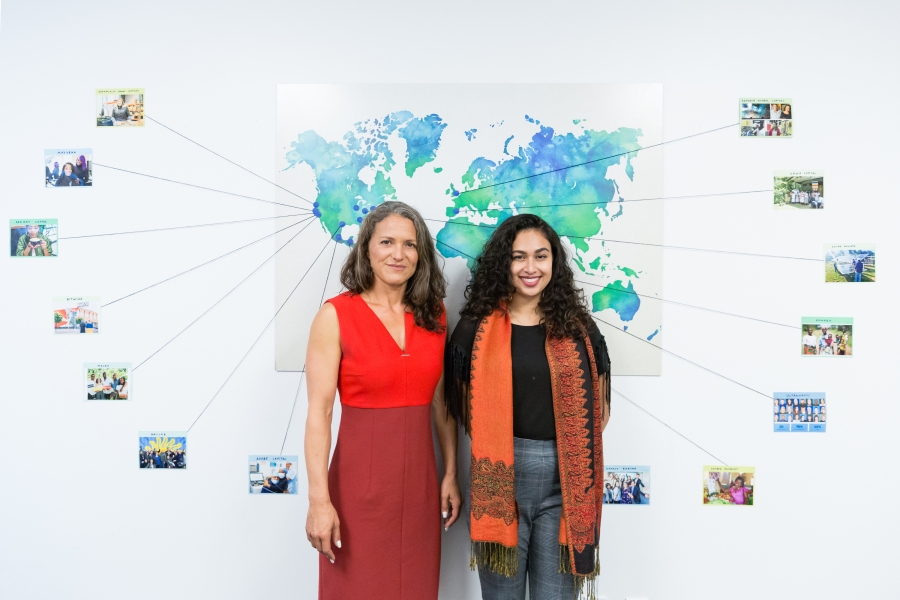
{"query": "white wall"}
[(97, 527)]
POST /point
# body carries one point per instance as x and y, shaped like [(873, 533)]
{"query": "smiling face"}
[(67, 169), (393, 252), (532, 263)]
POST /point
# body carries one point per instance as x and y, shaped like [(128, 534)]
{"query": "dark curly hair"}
[(562, 304), (425, 290)]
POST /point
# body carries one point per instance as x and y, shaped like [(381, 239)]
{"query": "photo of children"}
[(849, 263), (160, 450), (626, 485), (767, 117), (120, 107), (728, 486), (107, 381), (273, 474), (827, 336), (76, 314), (799, 411), (799, 189), (33, 237), (68, 168)]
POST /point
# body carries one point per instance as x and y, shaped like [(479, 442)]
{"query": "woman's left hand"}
[(451, 501)]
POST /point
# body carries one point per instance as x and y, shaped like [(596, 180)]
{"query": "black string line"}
[(228, 160), (621, 395), (200, 187), (637, 337), (595, 160), (207, 262), (76, 237), (526, 207), (687, 305), (227, 294), (330, 240), (665, 246), (303, 371)]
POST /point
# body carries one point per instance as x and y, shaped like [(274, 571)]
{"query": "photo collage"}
[(803, 411), (108, 381), (626, 485), (767, 117), (273, 474), (826, 336), (728, 486), (162, 450)]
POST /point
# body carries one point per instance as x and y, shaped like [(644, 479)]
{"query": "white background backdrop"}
[(79, 520)]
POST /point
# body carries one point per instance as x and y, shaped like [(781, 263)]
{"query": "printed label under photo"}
[(120, 107), (625, 484), (728, 486), (849, 263), (33, 238), (107, 381), (826, 336), (271, 474), (163, 449), (767, 117), (76, 314), (799, 190), (799, 411), (68, 168)]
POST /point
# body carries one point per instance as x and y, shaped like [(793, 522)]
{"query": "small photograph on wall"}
[(76, 314), (728, 486), (273, 474), (625, 484), (33, 237), (68, 168), (163, 449), (799, 411), (108, 381), (850, 263), (120, 107), (767, 117), (827, 336), (799, 189)]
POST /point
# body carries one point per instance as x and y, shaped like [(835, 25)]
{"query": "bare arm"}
[(447, 437), (323, 359)]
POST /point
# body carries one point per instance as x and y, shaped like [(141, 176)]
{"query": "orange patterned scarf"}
[(579, 404)]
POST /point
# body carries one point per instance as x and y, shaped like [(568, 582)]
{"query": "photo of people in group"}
[(76, 314), (728, 486), (108, 381), (273, 474), (849, 263), (120, 107), (827, 336), (767, 117), (33, 237), (799, 189), (68, 168), (799, 411), (162, 450), (626, 485)]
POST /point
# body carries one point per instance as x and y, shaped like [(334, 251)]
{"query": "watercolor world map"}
[(360, 170)]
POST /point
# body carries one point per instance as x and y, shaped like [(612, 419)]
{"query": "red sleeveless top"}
[(374, 371)]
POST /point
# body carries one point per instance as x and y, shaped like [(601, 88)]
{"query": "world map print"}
[(355, 174)]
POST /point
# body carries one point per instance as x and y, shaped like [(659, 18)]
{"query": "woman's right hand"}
[(323, 527)]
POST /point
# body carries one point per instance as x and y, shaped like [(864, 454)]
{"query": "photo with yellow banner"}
[(728, 486)]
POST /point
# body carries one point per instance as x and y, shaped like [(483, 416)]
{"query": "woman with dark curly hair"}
[(375, 514), (527, 374)]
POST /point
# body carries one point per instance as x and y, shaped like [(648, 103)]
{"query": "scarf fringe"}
[(585, 585), (457, 364), (496, 557)]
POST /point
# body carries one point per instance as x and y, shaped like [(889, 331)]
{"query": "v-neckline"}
[(403, 351)]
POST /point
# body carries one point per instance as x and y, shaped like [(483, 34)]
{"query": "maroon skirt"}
[(383, 484)]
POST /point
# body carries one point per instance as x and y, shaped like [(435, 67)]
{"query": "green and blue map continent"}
[(491, 189)]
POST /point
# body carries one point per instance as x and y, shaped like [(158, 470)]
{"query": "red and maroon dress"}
[(382, 479)]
